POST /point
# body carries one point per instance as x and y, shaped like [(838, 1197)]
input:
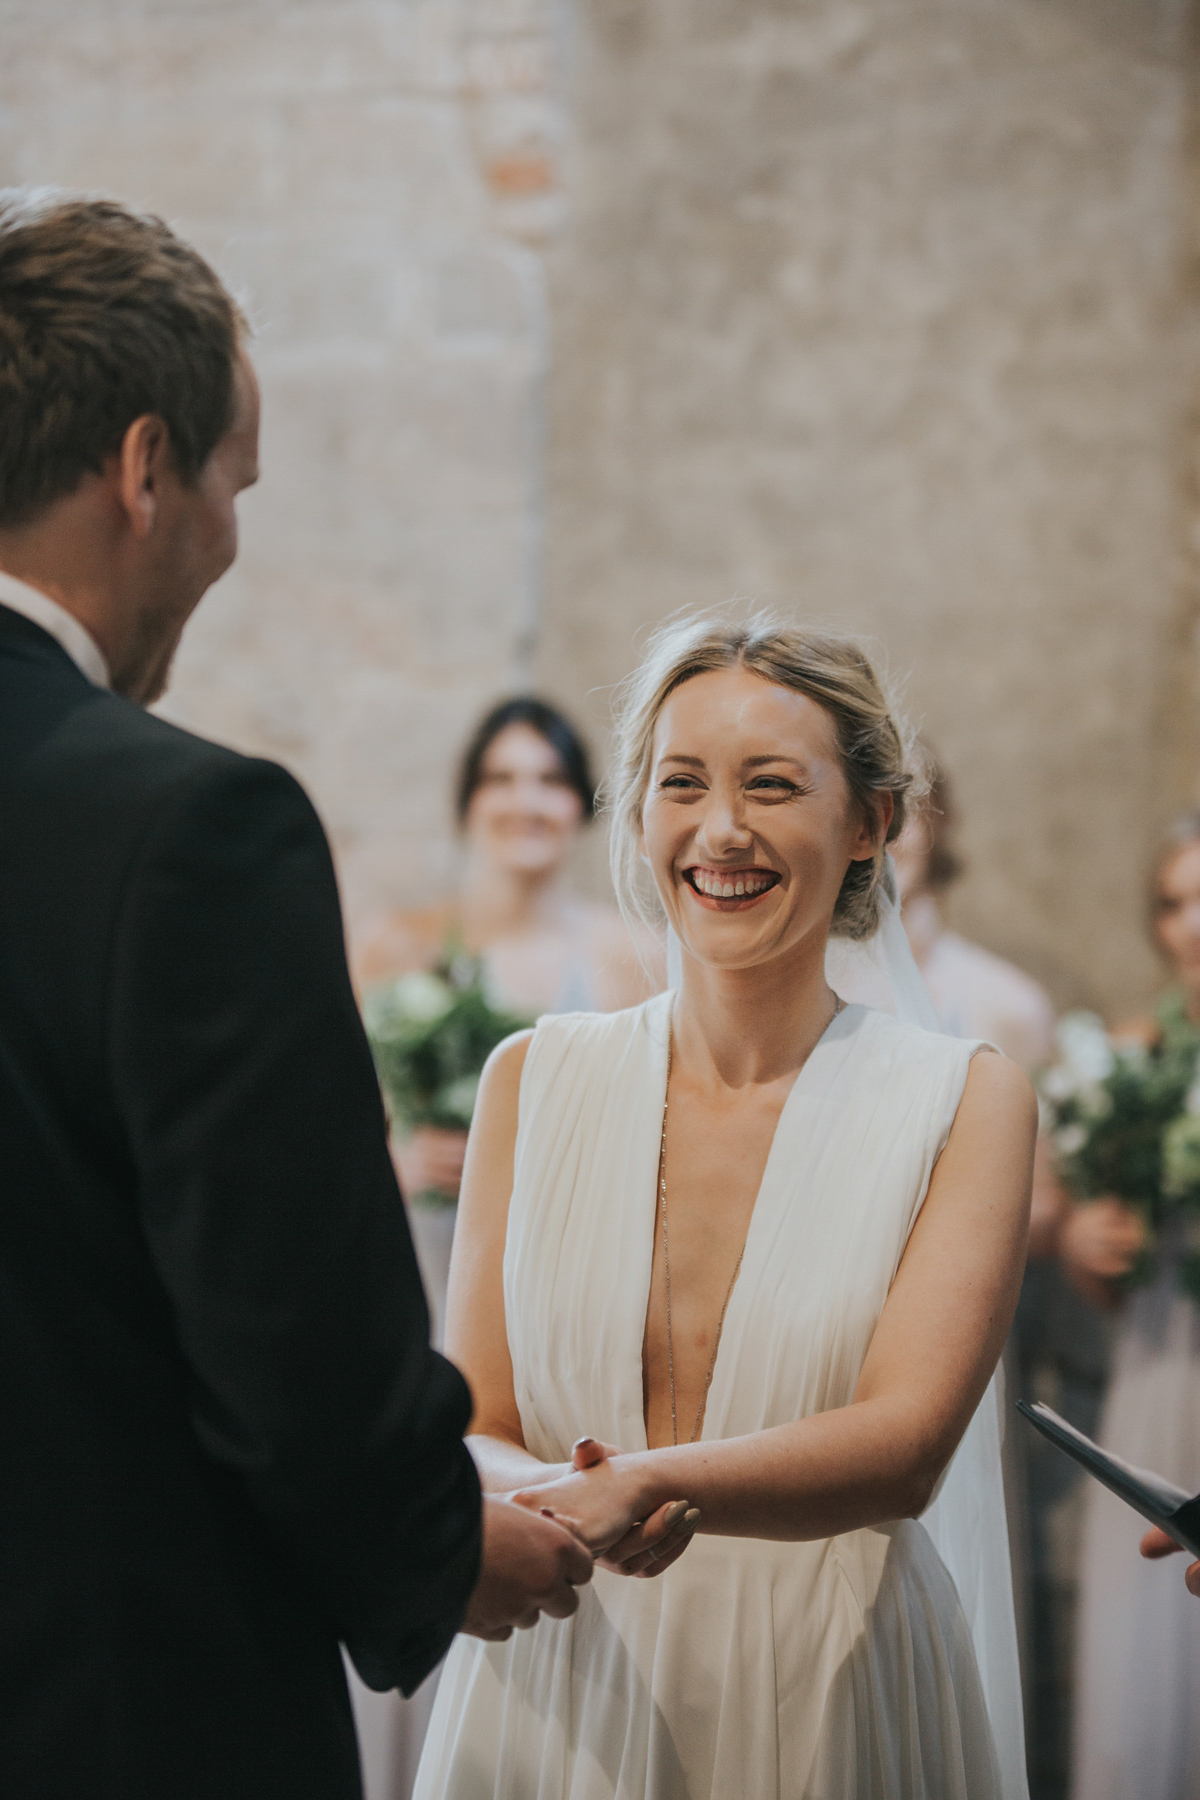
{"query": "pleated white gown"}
[(838, 1670)]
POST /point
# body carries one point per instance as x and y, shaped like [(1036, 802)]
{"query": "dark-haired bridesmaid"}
[(523, 796)]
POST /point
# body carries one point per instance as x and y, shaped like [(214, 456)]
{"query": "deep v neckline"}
[(663, 1047)]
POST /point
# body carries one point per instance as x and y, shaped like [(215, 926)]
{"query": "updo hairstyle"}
[(550, 724), (832, 671)]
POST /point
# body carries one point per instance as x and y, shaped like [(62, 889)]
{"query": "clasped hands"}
[(541, 1542), (600, 1496)]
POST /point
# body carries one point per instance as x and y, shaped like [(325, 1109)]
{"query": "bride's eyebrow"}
[(693, 762), (756, 762)]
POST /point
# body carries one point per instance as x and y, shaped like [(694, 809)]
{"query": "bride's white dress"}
[(844, 1669)]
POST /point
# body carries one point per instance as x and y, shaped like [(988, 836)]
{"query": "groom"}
[(226, 1442)]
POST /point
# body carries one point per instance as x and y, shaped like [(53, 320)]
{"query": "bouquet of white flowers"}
[(431, 1033), (1125, 1120)]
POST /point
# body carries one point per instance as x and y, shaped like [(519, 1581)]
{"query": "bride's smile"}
[(730, 889)]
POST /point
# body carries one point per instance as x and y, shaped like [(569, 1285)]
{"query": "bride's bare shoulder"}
[(488, 1173), (504, 1067)]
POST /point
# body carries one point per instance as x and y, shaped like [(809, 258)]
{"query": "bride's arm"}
[(477, 1340), (932, 1354), (476, 1336)]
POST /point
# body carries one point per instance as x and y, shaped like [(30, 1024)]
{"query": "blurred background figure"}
[(1058, 1346), (1137, 1713), (524, 793), (976, 993)]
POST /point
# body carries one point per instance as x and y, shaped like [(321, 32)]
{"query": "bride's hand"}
[(650, 1545), (602, 1503)]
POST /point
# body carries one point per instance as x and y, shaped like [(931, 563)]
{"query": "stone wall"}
[(877, 311), (378, 178)]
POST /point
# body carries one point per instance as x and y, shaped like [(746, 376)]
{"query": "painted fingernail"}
[(675, 1512), (547, 1512), (692, 1518)]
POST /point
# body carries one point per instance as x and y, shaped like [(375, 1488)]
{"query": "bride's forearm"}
[(504, 1466), (864, 1464)]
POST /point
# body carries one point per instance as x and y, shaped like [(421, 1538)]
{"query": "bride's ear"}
[(873, 823)]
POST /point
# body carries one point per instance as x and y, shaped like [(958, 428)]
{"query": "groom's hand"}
[(531, 1565)]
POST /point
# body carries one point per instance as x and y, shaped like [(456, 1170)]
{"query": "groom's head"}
[(130, 423)]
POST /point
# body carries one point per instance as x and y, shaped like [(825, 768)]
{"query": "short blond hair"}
[(874, 743)]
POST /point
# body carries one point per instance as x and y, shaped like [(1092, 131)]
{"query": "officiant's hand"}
[(1156, 1543), (531, 1565), (601, 1498)]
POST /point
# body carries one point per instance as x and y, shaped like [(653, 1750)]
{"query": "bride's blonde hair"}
[(873, 741)]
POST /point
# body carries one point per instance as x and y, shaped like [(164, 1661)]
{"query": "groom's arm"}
[(247, 1092)]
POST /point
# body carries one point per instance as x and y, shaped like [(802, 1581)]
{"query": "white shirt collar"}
[(66, 630)]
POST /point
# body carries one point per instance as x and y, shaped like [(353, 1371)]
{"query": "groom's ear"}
[(137, 471)]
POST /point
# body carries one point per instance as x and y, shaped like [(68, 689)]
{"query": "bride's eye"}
[(679, 782), (775, 785)]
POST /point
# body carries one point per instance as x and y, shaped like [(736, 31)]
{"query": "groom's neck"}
[(71, 553)]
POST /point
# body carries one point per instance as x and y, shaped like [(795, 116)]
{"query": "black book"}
[(1164, 1504)]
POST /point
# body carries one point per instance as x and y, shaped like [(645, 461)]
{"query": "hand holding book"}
[(1174, 1513), (1156, 1543)]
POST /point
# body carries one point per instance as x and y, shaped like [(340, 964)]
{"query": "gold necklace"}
[(838, 1004)]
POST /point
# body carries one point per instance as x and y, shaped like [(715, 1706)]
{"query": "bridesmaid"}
[(977, 993), (523, 796), (1137, 1721)]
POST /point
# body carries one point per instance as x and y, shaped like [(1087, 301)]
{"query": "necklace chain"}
[(737, 1268)]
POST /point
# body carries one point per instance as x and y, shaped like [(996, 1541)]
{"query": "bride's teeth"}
[(745, 886)]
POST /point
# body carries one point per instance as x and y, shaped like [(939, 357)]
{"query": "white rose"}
[(1084, 1046), (422, 997)]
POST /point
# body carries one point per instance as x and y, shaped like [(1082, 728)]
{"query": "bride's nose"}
[(724, 827)]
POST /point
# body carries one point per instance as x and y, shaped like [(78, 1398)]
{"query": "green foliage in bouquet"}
[(431, 1033), (1125, 1120)]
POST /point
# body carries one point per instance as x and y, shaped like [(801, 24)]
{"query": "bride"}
[(763, 1249)]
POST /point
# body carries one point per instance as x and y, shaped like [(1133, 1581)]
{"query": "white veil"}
[(966, 1519)]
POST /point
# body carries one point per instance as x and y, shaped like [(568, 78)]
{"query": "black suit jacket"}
[(225, 1441)]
